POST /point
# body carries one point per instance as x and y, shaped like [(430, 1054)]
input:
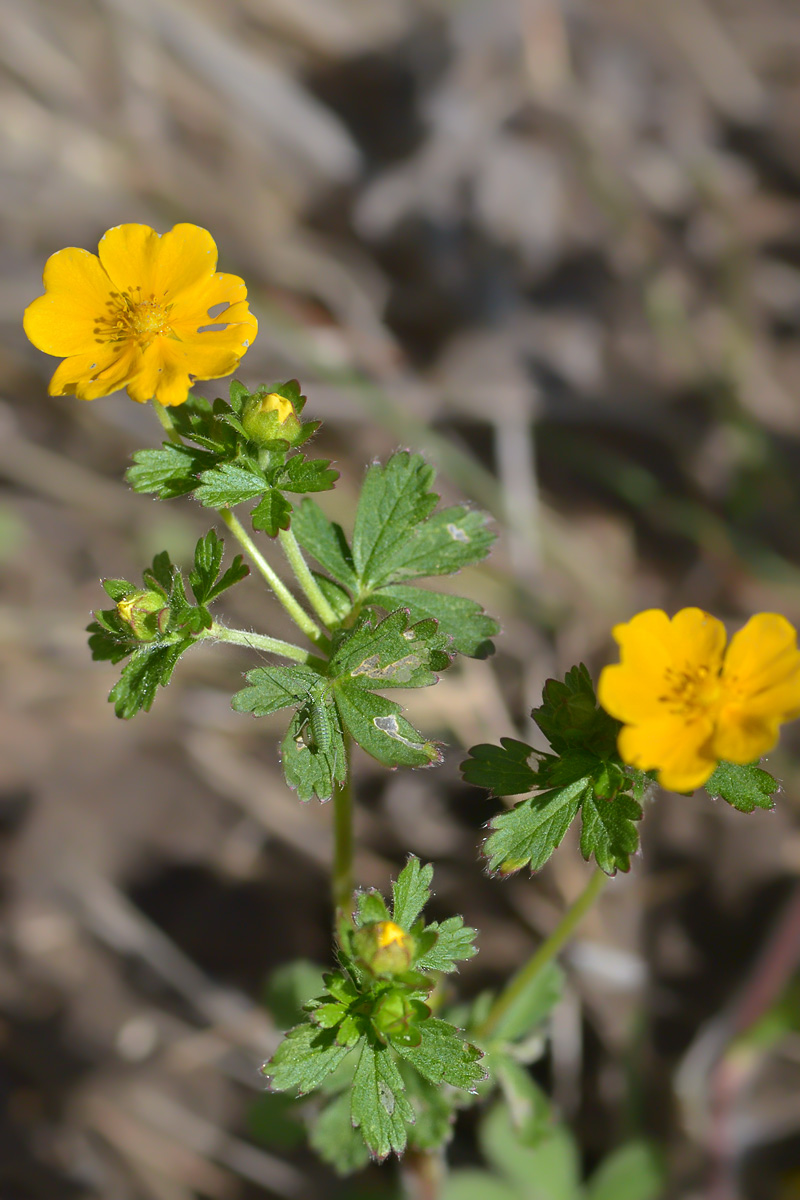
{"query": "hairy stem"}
[(342, 871), (546, 952), (165, 418), (258, 641), (308, 583), (282, 593)]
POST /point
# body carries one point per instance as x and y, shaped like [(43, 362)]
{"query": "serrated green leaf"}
[(392, 654), (378, 1105), (445, 1056), (464, 620), (272, 513), (270, 689), (305, 1057), (532, 1006), (207, 561), (307, 475), (326, 542), (394, 499), (633, 1172), (454, 943), (744, 787), (150, 667), (531, 831), (411, 891), (226, 485), (313, 770), (571, 719), (504, 770), (335, 1140), (106, 645), (337, 597), (608, 830), (170, 471), (451, 539), (376, 724)]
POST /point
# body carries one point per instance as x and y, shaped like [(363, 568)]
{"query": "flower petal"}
[(698, 639), (741, 737), (142, 263), (629, 694), (78, 292), (193, 304), (103, 371), (677, 748), (763, 660)]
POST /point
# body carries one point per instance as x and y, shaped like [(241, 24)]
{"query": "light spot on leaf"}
[(457, 533)]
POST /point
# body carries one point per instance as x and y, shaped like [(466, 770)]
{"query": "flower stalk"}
[(258, 641), (312, 590)]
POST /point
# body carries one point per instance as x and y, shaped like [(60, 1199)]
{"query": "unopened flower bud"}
[(395, 1018), (146, 613), (384, 948), (271, 418)]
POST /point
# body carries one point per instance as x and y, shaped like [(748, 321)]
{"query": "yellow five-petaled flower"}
[(686, 703), (138, 315)]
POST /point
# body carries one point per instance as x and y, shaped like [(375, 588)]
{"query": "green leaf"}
[(272, 514), (472, 1184), (108, 645), (529, 834), (392, 654), (289, 989), (504, 770), (454, 943), (169, 472), (571, 719), (326, 542), (451, 539), (547, 1171), (270, 689), (305, 1057), (745, 787), (376, 724), (379, 1107), (336, 1141), (226, 485), (394, 500), (150, 667), (464, 620), (532, 1006), (445, 1056), (313, 770), (411, 891), (204, 580), (118, 589), (631, 1173), (307, 475), (609, 832)]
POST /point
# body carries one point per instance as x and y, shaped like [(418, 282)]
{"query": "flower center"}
[(132, 317), (690, 691)]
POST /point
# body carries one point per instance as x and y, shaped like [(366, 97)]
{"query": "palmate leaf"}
[(327, 542), (272, 513), (205, 579), (270, 689), (170, 471), (744, 787), (226, 485), (531, 831), (454, 943)]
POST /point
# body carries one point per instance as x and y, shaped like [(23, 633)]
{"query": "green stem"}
[(314, 593), (295, 611), (546, 952), (258, 641), (165, 418), (342, 876)]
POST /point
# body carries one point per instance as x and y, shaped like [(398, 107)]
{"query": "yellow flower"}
[(686, 704), (138, 315)]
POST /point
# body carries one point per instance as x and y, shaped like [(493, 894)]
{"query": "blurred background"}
[(555, 244)]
